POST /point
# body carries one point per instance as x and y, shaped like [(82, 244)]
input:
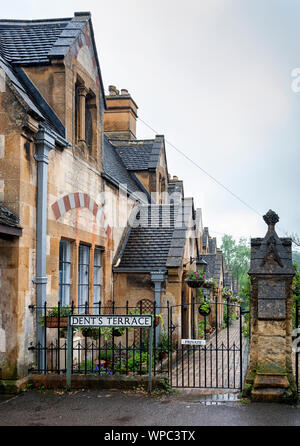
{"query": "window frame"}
[(97, 285), (64, 282)]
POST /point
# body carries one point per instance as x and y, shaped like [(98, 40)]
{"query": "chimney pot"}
[(113, 90)]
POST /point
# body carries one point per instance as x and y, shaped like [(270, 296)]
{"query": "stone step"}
[(270, 394), (263, 381)]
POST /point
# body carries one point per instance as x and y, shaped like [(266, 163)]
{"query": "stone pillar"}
[(82, 92), (270, 375)]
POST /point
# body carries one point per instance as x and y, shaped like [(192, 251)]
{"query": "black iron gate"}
[(220, 361)]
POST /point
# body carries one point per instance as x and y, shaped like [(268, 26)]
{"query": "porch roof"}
[(158, 242), (138, 155), (9, 223)]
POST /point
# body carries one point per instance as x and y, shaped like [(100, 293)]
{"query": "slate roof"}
[(36, 42), (214, 265), (157, 243), (19, 87), (139, 154), (8, 218), (9, 223), (115, 170), (28, 42)]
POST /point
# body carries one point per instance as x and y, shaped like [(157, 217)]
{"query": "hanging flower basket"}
[(195, 279), (90, 332), (193, 283), (52, 322), (209, 283), (226, 294), (204, 309)]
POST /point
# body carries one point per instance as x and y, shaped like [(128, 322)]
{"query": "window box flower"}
[(56, 317), (53, 322)]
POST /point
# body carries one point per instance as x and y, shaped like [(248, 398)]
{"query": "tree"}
[(237, 257), (296, 258), (295, 239)]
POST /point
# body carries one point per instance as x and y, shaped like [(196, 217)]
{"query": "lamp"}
[(201, 265)]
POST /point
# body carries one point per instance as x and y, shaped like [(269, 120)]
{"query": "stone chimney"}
[(175, 189), (120, 116)]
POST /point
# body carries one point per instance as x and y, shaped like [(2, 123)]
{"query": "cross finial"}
[(271, 218)]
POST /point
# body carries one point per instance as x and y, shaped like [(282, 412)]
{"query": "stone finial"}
[(271, 218)]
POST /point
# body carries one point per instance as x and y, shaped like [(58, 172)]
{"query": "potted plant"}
[(56, 317), (195, 279), (204, 308), (210, 283)]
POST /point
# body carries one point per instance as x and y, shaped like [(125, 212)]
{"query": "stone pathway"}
[(215, 367)]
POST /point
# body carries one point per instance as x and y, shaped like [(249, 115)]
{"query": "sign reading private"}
[(140, 321), (193, 342)]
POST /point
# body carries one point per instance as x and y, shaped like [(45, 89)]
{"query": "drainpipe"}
[(44, 142), (157, 278)]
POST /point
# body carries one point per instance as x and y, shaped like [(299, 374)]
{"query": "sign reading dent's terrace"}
[(141, 321)]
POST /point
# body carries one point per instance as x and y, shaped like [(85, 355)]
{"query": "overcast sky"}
[(214, 77)]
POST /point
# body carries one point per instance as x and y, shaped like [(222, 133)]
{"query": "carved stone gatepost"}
[(270, 376)]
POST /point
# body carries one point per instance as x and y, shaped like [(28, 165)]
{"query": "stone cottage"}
[(78, 190)]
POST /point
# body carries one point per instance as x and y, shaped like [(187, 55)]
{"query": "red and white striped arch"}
[(80, 200)]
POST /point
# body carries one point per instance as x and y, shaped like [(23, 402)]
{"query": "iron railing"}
[(100, 351)]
